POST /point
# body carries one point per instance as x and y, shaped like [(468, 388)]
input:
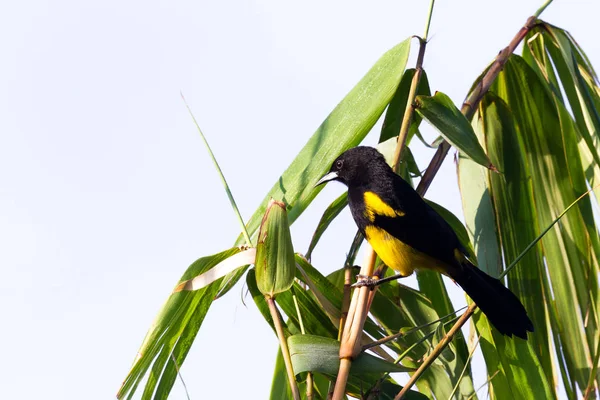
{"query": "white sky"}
[(107, 193)]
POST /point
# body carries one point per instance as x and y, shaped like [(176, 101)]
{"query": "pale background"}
[(107, 193)]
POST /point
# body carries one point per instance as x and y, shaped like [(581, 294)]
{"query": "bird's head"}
[(355, 166)]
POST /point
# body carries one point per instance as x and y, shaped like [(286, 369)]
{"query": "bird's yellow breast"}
[(397, 254)]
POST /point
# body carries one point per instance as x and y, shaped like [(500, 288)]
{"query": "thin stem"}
[(298, 313), (285, 351), (187, 394), (524, 252), (409, 110), (309, 376), (408, 350), (482, 385), (590, 386), (408, 332), (223, 180), (472, 101), (342, 379), (437, 350), (429, 14), (345, 299), (309, 387), (542, 8), (462, 374)]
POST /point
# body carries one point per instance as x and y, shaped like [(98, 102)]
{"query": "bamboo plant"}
[(528, 143)]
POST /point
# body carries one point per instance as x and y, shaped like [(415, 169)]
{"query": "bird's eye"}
[(339, 164)]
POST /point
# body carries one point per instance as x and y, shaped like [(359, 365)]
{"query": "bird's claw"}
[(363, 280)]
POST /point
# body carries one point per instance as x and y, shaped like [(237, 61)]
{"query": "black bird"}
[(407, 234)]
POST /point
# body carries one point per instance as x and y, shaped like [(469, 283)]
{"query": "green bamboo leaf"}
[(571, 54), (538, 59), (519, 370), (410, 164), (440, 112), (515, 212), (275, 265), (546, 139), (322, 290), (479, 214), (280, 388), (579, 82), (433, 145), (345, 127), (557, 181), (322, 354), (314, 319), (514, 378), (221, 175), (579, 95), (179, 319), (246, 257)]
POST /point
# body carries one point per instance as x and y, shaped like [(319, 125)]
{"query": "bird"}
[(408, 234)]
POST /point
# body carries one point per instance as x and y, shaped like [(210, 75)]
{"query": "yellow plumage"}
[(375, 206), (398, 255), (393, 252)]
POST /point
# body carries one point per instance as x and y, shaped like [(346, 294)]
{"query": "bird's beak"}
[(326, 178)]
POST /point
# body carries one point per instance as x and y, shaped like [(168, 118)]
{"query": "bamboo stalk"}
[(285, 351), (357, 313), (309, 386), (410, 108), (362, 298), (345, 299), (470, 105)]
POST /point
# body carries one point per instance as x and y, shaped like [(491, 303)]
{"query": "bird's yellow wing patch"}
[(374, 205), (397, 254)]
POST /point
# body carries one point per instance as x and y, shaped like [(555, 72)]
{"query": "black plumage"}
[(408, 234)]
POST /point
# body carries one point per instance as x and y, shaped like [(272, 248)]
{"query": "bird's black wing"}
[(421, 227)]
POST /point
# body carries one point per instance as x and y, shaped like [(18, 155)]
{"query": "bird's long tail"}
[(496, 301)]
